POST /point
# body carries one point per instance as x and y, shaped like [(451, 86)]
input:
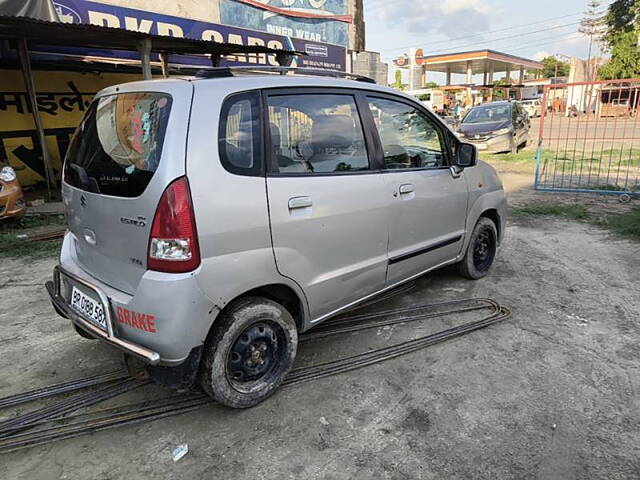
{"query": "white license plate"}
[(481, 146), (88, 308)]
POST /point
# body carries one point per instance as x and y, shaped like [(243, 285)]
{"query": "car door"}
[(427, 201), (327, 202)]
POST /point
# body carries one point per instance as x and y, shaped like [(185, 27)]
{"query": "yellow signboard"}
[(62, 99)]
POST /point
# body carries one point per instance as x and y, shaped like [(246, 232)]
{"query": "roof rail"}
[(216, 72)]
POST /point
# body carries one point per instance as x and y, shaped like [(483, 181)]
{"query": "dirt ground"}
[(552, 393)]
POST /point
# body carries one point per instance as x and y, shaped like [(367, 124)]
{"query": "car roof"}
[(496, 103), (269, 80), (252, 81)]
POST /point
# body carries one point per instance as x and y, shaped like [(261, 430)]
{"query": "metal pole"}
[(164, 58), (27, 74), (144, 48)]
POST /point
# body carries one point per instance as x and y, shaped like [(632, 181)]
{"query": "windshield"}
[(488, 113), (117, 147)]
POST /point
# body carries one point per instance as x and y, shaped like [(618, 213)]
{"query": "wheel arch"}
[(493, 215), (280, 293)]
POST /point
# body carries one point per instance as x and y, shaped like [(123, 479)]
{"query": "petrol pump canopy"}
[(92, 36), (480, 61)]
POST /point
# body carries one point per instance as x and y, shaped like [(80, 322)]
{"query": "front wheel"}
[(249, 352), (514, 146), (481, 250)]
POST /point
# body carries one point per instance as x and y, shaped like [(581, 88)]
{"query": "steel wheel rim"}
[(256, 355), (484, 248)]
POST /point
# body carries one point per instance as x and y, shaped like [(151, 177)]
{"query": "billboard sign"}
[(319, 54), (325, 21)]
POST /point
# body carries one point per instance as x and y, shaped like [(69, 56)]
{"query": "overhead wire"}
[(480, 34)]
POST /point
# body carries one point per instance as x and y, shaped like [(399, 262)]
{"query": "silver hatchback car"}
[(213, 219)]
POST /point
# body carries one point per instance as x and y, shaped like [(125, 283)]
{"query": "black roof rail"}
[(217, 72)]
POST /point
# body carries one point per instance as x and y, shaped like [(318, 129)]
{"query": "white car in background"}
[(533, 107)]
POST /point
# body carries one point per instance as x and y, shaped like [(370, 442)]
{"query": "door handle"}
[(299, 202), (456, 171), (406, 188)]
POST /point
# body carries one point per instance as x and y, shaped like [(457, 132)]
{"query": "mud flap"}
[(180, 376)]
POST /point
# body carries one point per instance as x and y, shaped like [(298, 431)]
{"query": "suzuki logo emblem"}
[(83, 201)]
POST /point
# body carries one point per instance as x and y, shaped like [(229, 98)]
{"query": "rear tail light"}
[(173, 245)]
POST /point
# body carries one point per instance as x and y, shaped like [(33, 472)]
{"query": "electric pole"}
[(591, 26)]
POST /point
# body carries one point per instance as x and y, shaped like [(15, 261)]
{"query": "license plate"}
[(481, 146), (88, 308)]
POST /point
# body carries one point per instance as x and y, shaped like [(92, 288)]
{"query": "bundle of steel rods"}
[(55, 422)]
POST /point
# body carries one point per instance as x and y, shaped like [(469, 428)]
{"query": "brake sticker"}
[(141, 321)]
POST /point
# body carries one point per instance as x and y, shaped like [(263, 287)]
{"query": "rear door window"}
[(239, 139), (117, 147)]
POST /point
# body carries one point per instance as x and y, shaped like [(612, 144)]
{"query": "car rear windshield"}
[(117, 147)]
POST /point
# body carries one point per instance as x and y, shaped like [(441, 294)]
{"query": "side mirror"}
[(467, 155)]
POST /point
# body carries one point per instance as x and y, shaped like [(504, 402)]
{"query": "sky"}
[(531, 29)]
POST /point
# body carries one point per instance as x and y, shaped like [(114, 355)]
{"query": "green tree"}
[(431, 85), (398, 85), (622, 29), (620, 17), (625, 57), (552, 67)]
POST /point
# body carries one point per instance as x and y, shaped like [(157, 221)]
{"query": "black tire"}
[(83, 334), (249, 352), (481, 251)]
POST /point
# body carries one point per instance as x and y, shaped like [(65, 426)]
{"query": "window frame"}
[(445, 133), (258, 168), (374, 166)]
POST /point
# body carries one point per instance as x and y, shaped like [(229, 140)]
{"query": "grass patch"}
[(13, 247), (626, 224), (523, 157), (573, 211)]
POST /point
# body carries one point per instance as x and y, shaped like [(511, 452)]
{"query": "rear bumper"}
[(62, 307), (161, 321)]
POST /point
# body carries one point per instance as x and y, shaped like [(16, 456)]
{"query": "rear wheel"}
[(249, 352), (481, 250)]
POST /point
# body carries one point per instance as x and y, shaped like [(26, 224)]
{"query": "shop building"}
[(329, 32)]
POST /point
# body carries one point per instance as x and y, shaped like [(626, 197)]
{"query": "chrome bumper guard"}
[(61, 305)]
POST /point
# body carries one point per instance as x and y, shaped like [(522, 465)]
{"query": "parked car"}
[(501, 126), (12, 202), (533, 107), (213, 220)]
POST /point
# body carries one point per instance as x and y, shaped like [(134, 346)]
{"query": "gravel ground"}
[(552, 393)]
